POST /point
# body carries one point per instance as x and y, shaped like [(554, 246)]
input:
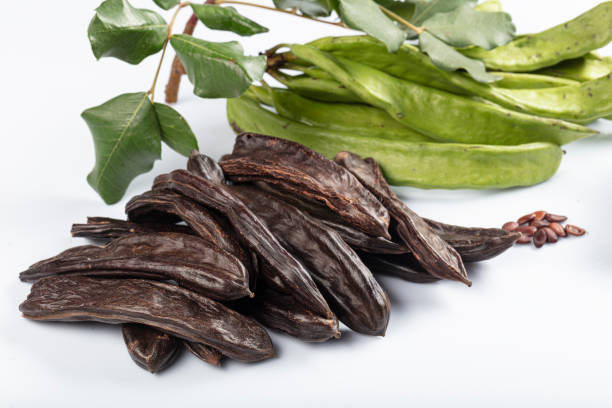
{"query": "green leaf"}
[(227, 19), (217, 70), (425, 9), (404, 9), (175, 130), (489, 6), (465, 26), (312, 8), (365, 15), (127, 141), (167, 4), (124, 32), (447, 58)]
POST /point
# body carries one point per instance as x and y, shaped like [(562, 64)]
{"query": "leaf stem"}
[(291, 11), (401, 20), (164, 48)]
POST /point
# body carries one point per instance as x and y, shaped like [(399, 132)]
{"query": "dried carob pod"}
[(281, 312), (303, 171), (432, 252), (169, 308), (364, 242), (204, 352), (205, 167), (475, 244), (346, 283), (150, 348), (189, 260), (403, 266), (160, 205), (110, 228), (278, 267)]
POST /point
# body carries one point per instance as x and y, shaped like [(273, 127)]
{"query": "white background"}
[(534, 330)]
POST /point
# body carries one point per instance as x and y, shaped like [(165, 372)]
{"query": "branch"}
[(178, 70)]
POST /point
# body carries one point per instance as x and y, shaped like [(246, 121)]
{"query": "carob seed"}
[(551, 236), (529, 230), (510, 226), (524, 239), (526, 218), (574, 230), (539, 223), (555, 217), (539, 215), (540, 238), (558, 229)]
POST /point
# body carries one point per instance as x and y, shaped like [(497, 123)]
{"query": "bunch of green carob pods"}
[(432, 128)]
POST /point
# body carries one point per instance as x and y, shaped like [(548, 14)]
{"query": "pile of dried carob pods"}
[(273, 235)]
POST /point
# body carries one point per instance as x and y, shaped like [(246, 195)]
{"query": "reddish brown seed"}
[(524, 239), (555, 217), (551, 236), (539, 238), (526, 218), (510, 226), (528, 230), (539, 223), (558, 228), (574, 230), (539, 215)]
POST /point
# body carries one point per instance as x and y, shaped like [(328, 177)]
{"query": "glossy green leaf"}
[(217, 70), (447, 58), (167, 4), (127, 141), (175, 130), (124, 32), (465, 26), (312, 8), (365, 15), (425, 9), (227, 19)]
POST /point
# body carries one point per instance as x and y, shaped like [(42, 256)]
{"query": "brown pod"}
[(346, 283), (555, 217), (474, 244), (281, 312), (364, 242), (540, 238), (205, 353), (150, 348), (524, 239), (574, 230), (403, 266), (169, 308), (432, 252), (160, 206), (300, 170), (189, 260), (529, 230), (110, 228), (558, 228), (539, 215), (525, 218), (539, 223), (278, 267), (510, 226), (551, 235), (205, 167)]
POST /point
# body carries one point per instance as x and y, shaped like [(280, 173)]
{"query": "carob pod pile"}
[(274, 220)]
